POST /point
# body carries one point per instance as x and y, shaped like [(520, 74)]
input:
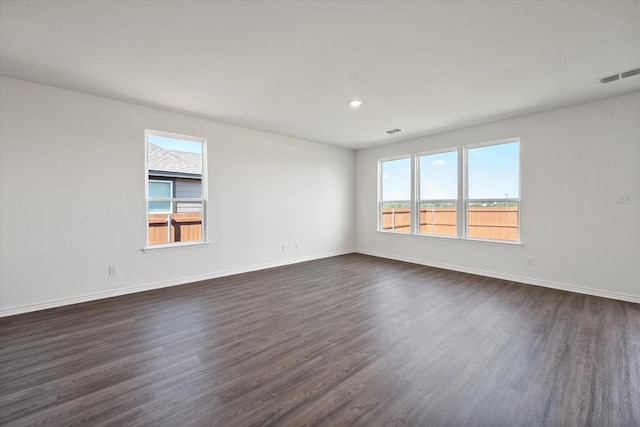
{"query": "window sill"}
[(174, 246), (439, 236), (397, 233), (508, 243)]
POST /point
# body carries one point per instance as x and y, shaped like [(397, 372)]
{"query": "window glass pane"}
[(395, 210), (493, 220), (160, 190), (438, 218), (439, 176), (396, 217), (396, 179), (175, 158), (494, 192), (184, 226), (175, 144), (157, 207), (493, 171)]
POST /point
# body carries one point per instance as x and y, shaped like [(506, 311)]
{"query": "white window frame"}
[(467, 201), (462, 202), (418, 200), (409, 202), (203, 199)]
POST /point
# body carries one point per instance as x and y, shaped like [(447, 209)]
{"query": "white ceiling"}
[(291, 67)]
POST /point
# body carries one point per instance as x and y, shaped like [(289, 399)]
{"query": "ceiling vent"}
[(392, 131), (630, 73), (609, 79), (623, 75)]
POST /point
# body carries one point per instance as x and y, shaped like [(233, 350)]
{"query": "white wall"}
[(72, 199), (574, 162)]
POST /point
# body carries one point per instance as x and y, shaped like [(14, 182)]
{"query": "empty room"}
[(336, 213)]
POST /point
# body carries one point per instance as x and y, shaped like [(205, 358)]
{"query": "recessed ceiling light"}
[(355, 103)]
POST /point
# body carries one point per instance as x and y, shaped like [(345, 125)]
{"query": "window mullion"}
[(414, 188), (461, 214)]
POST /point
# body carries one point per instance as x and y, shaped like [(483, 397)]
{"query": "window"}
[(480, 201), (395, 195), (438, 193), (175, 189), (493, 191)]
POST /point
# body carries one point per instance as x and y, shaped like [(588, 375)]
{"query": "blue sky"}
[(396, 179), (439, 176), (175, 144), (493, 171), (493, 174)]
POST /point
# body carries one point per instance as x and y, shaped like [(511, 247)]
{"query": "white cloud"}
[(438, 162)]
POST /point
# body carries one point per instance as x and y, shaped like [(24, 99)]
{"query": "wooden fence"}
[(488, 222), (185, 227), (500, 223)]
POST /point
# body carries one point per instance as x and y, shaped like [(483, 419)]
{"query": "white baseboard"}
[(513, 278), (181, 281), (158, 285)]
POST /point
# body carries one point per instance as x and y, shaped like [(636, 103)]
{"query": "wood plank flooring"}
[(348, 340)]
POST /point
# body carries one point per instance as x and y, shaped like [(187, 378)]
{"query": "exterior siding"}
[(188, 188)]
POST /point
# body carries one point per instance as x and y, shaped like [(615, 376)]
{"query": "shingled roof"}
[(163, 162)]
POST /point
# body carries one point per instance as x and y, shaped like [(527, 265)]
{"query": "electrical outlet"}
[(297, 246), (113, 270), (284, 247), (623, 199), (530, 262)]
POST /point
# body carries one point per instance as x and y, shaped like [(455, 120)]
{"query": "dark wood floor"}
[(349, 340)]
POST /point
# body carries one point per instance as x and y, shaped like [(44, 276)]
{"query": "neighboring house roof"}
[(163, 162)]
